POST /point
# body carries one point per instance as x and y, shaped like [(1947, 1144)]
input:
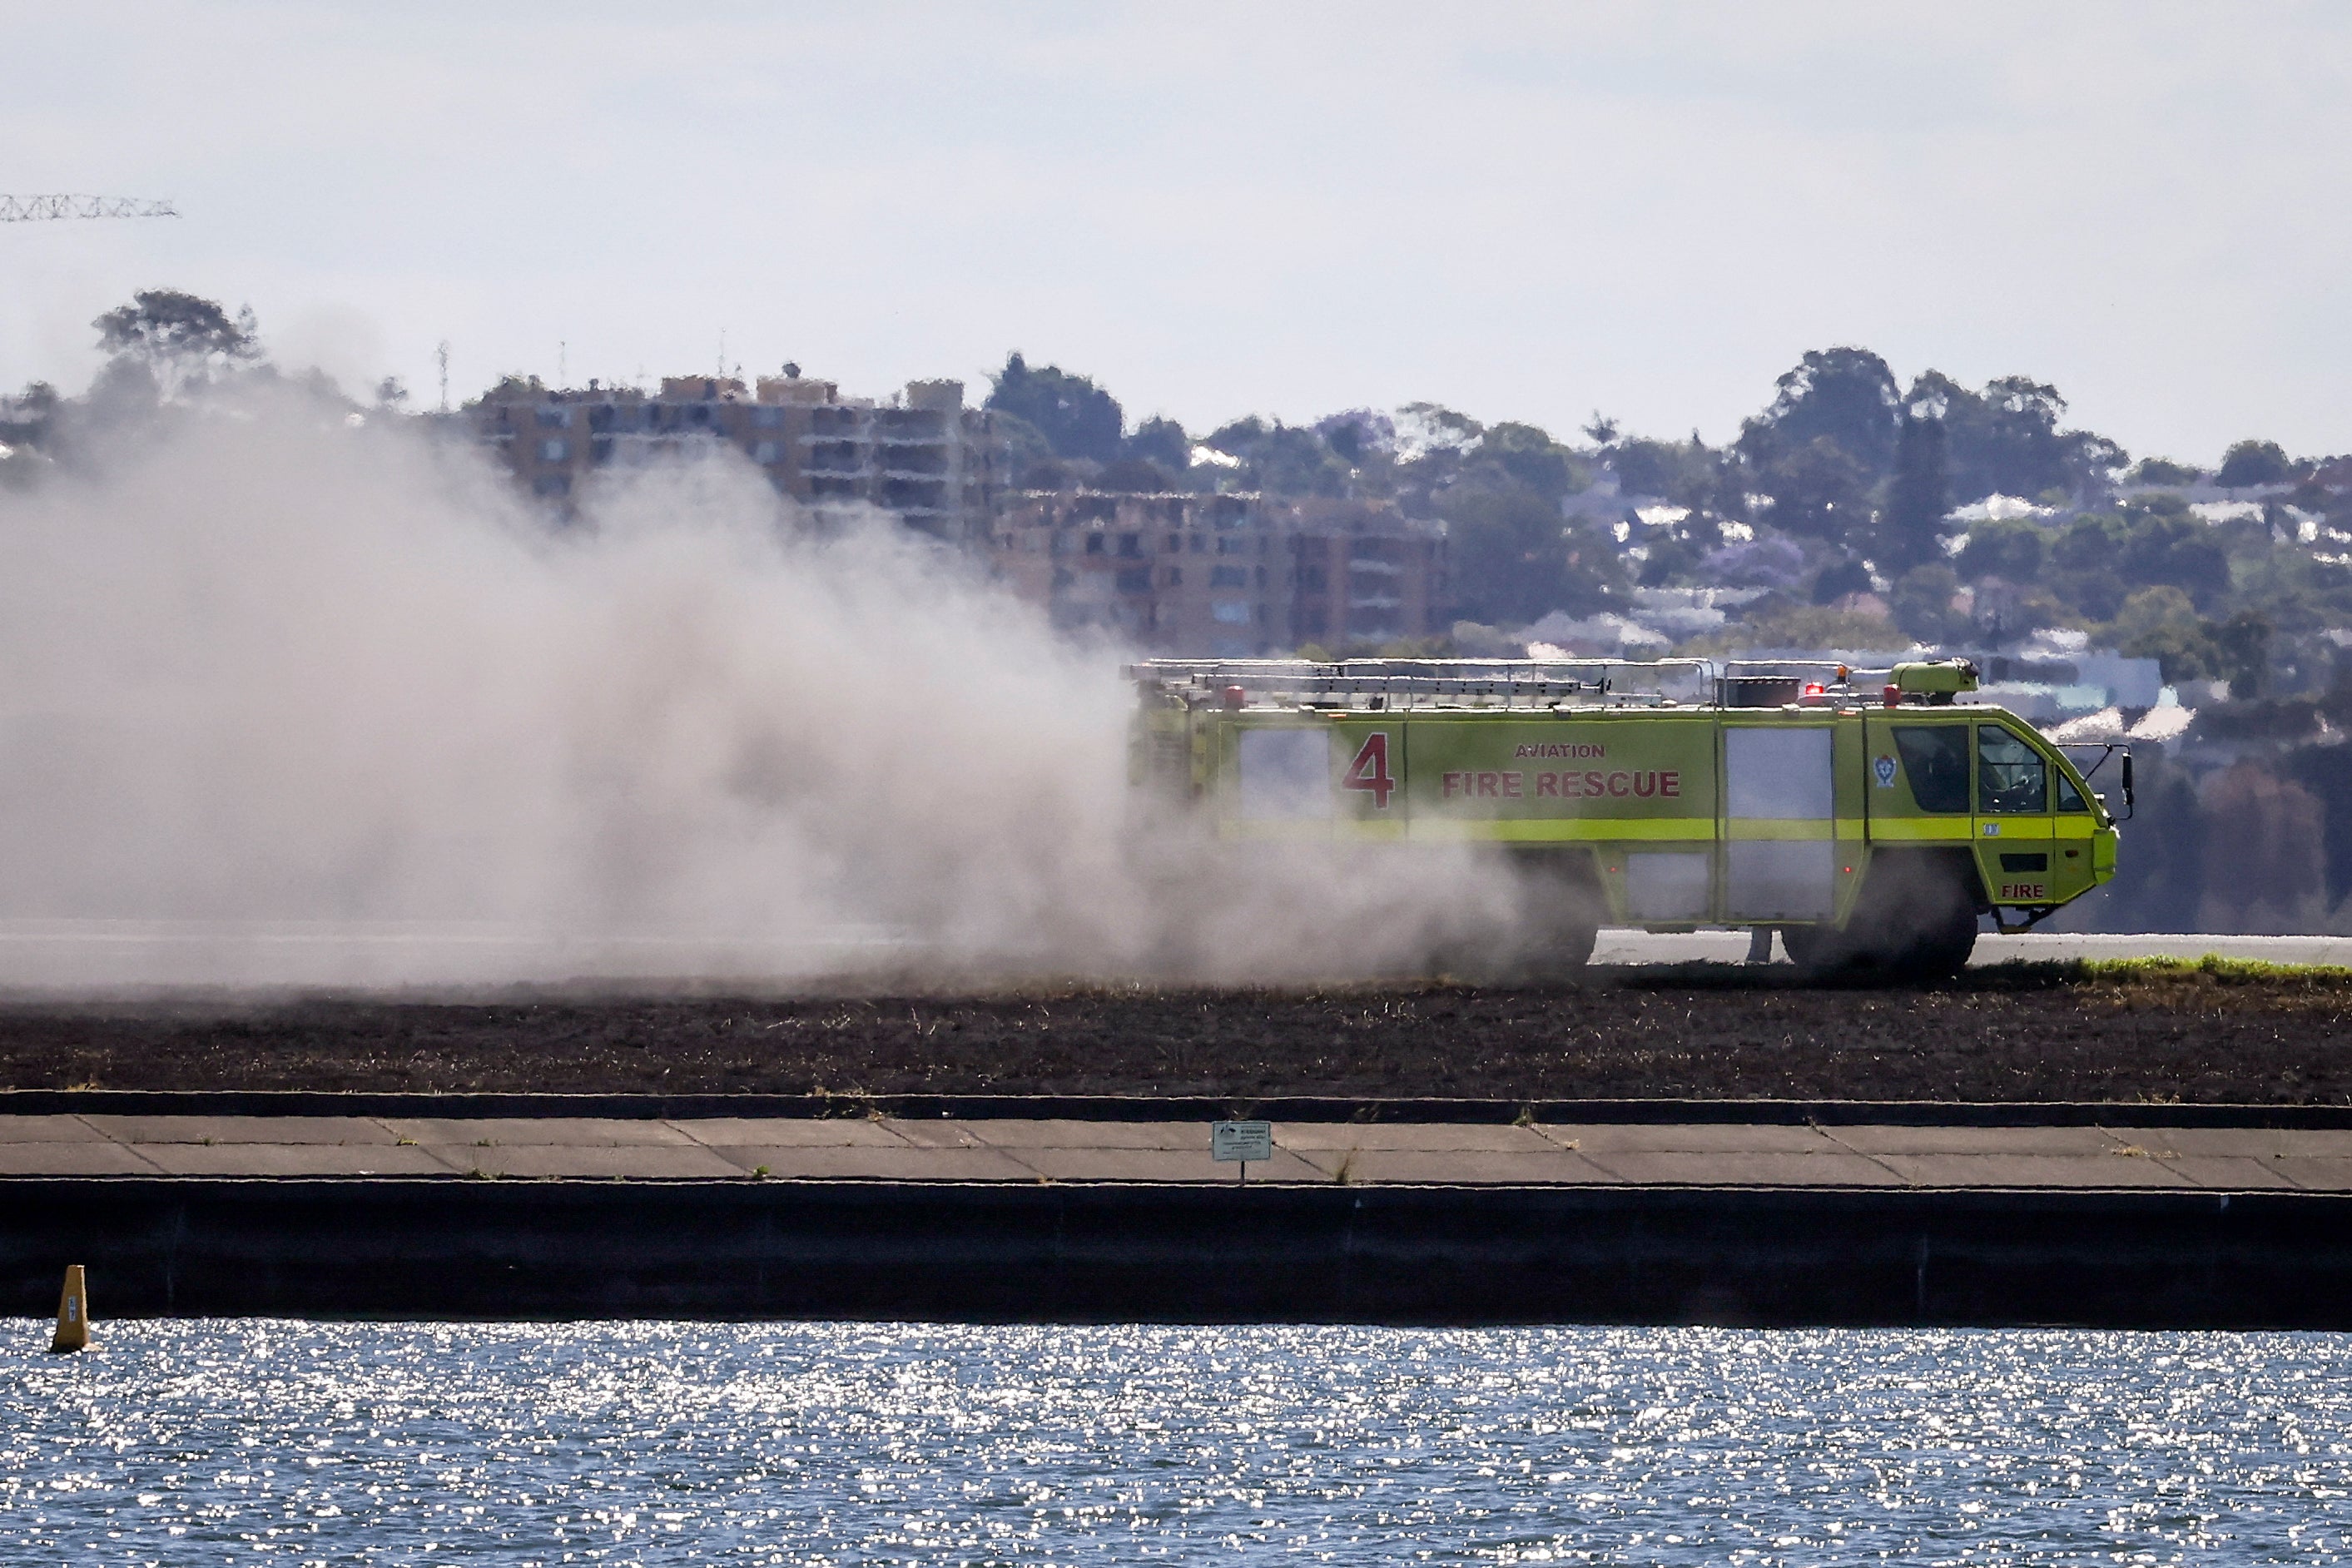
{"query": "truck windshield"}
[(2010, 774), (1936, 760)]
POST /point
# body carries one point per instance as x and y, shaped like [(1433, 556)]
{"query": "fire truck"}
[(1870, 818)]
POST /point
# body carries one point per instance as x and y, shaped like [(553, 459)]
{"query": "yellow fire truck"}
[(1868, 817)]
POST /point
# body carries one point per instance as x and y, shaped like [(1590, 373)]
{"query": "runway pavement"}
[(90, 956)]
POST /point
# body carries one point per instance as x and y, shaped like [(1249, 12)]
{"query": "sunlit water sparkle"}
[(190, 1442)]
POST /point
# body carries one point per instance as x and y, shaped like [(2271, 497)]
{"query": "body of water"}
[(232, 1442)]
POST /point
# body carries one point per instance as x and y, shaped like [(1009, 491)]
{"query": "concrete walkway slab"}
[(794, 1163), (1375, 1167), (1880, 1140), (25, 1158), (2110, 1170), (611, 1132), (1691, 1137), (2256, 1143), (939, 1133), (778, 1132), (2229, 1172), (50, 1130), (980, 1149), (1743, 1168), (293, 1160), (587, 1161), (1191, 1137), (1159, 1165), (2326, 1175), (1409, 1136), (242, 1129)]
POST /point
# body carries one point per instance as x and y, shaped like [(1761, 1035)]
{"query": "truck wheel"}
[(1942, 933), (1560, 918), (1915, 921), (1922, 920), (1816, 949)]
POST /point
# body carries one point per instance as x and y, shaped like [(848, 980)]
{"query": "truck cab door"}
[(2072, 868), (2015, 827)]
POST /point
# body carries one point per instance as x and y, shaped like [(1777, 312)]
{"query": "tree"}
[(2244, 643), (1428, 429), (1844, 395), (1531, 457), (2162, 624), (2011, 550), (2005, 440), (2163, 471), (1282, 459), (1911, 533), (2253, 463), (2160, 885), (1163, 442), (2164, 542), (1078, 418), (2100, 558), (2263, 845), (391, 394), (1664, 468), (1921, 604), (1512, 562), (1821, 490), (1358, 435), (1838, 579), (178, 338), (1139, 476), (1600, 430)]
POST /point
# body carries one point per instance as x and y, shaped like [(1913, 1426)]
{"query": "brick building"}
[(1364, 575), (922, 455), (1229, 576)]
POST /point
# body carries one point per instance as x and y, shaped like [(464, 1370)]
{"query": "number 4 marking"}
[(1370, 770)]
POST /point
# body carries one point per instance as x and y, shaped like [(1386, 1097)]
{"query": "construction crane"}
[(34, 209)]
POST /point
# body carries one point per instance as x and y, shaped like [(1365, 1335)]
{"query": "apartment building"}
[(922, 455), (1228, 576), (1364, 575)]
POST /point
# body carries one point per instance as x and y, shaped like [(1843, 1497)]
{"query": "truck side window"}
[(2009, 774), (1936, 760), (2069, 797)]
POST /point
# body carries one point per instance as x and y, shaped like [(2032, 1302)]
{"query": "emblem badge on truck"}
[(1885, 768)]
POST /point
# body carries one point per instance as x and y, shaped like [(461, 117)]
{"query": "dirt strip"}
[(1710, 1033)]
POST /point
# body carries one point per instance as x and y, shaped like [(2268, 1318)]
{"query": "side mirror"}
[(2128, 782)]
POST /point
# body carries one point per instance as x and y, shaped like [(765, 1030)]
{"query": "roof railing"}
[(1391, 682)]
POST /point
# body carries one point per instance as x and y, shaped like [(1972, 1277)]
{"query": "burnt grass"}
[(2015, 1032)]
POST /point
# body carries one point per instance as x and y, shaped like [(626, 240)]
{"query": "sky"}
[(1524, 212)]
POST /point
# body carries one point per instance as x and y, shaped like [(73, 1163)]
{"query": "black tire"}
[(1915, 920), (1942, 934), (1816, 949), (1561, 910)]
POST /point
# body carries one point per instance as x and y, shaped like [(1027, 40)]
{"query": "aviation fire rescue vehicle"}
[(1871, 819)]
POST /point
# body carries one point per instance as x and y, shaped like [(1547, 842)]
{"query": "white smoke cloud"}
[(286, 700)]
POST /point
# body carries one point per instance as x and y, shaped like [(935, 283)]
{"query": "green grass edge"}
[(2228, 970)]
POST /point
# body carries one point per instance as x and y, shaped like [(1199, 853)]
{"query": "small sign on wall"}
[(1242, 1140)]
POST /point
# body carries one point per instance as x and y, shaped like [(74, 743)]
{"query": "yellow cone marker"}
[(73, 1313)]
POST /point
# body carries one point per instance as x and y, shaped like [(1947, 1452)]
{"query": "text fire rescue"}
[(1512, 785)]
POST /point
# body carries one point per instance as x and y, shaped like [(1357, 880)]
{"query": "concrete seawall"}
[(1069, 1210), (1184, 1253)]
